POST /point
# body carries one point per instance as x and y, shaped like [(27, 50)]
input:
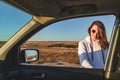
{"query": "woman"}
[(92, 50)]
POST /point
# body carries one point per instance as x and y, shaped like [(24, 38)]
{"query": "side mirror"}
[(29, 55)]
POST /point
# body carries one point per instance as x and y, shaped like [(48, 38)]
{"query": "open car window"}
[(58, 42)]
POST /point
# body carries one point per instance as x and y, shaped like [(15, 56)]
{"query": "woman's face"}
[(94, 32)]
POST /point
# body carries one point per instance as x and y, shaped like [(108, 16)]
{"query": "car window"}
[(11, 20), (58, 42)]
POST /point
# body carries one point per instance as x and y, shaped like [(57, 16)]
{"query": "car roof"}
[(62, 8)]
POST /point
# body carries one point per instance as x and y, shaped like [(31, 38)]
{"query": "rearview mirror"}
[(30, 55)]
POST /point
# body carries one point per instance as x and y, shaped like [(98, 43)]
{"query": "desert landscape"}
[(55, 53)]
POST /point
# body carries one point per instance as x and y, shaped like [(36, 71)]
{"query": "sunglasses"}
[(93, 31)]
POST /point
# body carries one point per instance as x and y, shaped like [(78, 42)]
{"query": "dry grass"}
[(55, 52)]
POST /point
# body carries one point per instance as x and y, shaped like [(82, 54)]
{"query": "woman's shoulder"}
[(86, 40)]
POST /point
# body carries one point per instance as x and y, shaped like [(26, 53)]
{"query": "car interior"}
[(13, 58)]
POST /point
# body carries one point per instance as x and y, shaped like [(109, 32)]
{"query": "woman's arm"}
[(82, 52)]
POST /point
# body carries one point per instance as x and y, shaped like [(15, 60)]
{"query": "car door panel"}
[(59, 73), (9, 72)]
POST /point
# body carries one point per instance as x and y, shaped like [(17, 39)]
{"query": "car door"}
[(58, 45), (58, 73), (57, 59)]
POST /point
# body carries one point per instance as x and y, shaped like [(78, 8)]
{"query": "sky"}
[(74, 29), (12, 19)]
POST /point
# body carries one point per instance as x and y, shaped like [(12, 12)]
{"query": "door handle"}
[(39, 76)]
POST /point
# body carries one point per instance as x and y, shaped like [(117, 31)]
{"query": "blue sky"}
[(74, 29), (12, 19)]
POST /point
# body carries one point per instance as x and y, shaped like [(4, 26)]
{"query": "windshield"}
[(11, 20)]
